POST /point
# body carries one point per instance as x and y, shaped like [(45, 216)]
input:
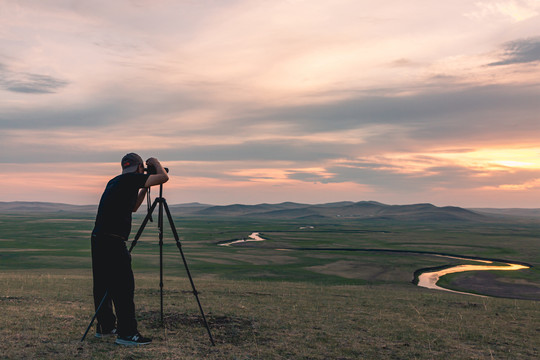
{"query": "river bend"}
[(426, 278)]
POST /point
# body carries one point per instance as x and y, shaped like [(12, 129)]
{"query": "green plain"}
[(272, 300)]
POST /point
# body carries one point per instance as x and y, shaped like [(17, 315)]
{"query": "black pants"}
[(111, 267)]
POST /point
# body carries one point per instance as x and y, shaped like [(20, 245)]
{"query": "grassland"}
[(271, 300)]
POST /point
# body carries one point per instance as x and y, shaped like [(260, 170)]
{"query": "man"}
[(111, 261)]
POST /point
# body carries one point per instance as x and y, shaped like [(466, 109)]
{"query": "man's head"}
[(131, 163)]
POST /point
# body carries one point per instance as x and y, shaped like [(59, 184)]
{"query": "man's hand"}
[(152, 162)]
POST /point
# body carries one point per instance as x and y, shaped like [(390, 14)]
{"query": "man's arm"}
[(159, 177), (140, 198)]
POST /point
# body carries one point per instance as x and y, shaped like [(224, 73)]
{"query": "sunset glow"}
[(268, 101)]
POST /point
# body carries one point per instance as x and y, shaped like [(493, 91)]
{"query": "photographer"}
[(111, 261)]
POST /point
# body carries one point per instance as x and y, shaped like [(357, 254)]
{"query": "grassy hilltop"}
[(271, 300)]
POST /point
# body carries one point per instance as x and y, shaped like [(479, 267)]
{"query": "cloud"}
[(35, 84), (454, 117), (516, 10), (418, 176), (90, 115), (318, 132), (520, 52), (271, 150), (391, 177), (286, 93), (103, 109), (29, 83)]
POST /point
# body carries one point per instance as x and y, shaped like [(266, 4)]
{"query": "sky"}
[(266, 101)]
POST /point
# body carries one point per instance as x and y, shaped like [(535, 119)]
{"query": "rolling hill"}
[(292, 210), (358, 210), (43, 207)]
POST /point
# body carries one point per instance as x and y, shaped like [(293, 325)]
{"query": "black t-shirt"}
[(117, 204)]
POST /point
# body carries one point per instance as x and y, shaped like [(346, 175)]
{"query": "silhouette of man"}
[(111, 261)]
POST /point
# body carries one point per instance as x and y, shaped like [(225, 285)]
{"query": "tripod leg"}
[(179, 245), (95, 315), (160, 226), (143, 225)]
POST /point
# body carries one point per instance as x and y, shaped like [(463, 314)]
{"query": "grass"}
[(266, 303), (45, 314)]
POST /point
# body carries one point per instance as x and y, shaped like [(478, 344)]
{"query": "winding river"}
[(427, 278), (253, 237)]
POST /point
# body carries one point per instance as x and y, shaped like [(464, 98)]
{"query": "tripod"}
[(162, 205)]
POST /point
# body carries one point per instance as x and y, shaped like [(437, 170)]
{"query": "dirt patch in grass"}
[(213, 257), (264, 259), (61, 220), (225, 329), (11, 299), (490, 284), (27, 250), (357, 270)]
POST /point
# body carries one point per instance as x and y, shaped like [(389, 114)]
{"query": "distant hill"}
[(358, 210), (248, 210), (48, 207), (292, 210), (527, 213), (41, 207)]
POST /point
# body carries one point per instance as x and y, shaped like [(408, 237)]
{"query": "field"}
[(311, 290)]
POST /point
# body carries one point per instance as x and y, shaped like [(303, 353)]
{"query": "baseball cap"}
[(130, 162)]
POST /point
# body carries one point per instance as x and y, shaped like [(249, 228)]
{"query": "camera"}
[(152, 170)]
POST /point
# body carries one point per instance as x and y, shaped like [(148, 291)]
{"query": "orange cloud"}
[(485, 160), (527, 185)]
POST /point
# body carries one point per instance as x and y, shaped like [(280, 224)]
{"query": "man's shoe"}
[(102, 335), (133, 340)]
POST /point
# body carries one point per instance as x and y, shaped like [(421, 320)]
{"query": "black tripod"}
[(162, 205)]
